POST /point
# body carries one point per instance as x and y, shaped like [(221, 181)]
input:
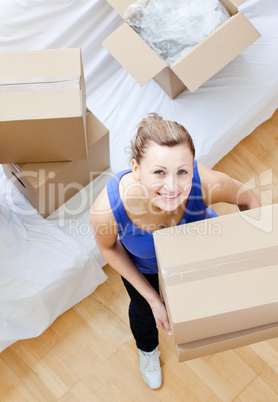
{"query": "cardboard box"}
[(42, 106), (49, 185), (194, 68), (221, 278), (221, 343)]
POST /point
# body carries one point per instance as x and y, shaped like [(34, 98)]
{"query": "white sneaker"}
[(150, 368)]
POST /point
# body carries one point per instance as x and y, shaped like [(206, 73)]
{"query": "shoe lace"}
[(152, 361)]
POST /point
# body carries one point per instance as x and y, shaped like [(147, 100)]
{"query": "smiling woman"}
[(166, 174), (165, 187)]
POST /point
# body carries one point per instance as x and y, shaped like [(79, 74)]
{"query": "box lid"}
[(134, 54), (40, 66), (225, 43), (120, 5), (40, 84)]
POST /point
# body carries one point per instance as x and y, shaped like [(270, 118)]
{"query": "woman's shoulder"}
[(101, 209), (101, 216), (204, 173), (216, 186), (110, 198), (116, 178), (211, 177), (126, 183), (101, 204)]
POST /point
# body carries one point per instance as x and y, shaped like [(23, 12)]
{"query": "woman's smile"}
[(169, 196)]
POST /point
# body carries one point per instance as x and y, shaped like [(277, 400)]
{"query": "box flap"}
[(225, 43), (230, 7), (120, 5), (237, 2), (95, 129), (133, 53)]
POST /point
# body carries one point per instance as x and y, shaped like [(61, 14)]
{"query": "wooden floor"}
[(88, 354)]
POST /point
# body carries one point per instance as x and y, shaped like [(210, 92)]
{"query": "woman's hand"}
[(160, 315)]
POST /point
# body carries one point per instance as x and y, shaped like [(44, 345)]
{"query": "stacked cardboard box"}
[(43, 106), (49, 185), (51, 145), (219, 281), (194, 68)]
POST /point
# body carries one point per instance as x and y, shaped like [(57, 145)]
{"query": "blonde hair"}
[(162, 132)]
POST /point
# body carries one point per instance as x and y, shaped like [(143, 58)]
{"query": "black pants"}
[(142, 322)]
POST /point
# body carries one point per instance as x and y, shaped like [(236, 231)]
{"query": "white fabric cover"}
[(47, 266), (43, 271)]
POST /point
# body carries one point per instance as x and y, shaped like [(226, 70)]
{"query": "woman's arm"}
[(105, 230), (219, 187)]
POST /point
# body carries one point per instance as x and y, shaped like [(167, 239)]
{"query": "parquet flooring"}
[(88, 353)]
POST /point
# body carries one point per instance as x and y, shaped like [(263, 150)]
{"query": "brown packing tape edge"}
[(178, 274), (40, 85)]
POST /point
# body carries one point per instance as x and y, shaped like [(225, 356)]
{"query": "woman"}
[(165, 187)]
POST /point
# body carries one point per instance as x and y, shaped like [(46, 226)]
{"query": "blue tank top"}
[(139, 243)]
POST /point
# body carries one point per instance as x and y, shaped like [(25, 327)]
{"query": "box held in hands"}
[(221, 280)]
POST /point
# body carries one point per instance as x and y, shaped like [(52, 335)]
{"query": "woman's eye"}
[(159, 172), (182, 172)]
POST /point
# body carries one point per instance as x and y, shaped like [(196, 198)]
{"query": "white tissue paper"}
[(172, 27)]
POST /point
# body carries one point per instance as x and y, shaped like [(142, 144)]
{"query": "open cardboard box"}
[(220, 278), (49, 185), (42, 106), (194, 68)]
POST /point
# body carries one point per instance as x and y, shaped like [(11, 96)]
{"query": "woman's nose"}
[(170, 183)]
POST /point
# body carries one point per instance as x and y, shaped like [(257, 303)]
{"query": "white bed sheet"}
[(49, 265), (43, 271)]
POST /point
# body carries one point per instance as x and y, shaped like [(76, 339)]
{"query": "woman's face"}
[(166, 175)]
